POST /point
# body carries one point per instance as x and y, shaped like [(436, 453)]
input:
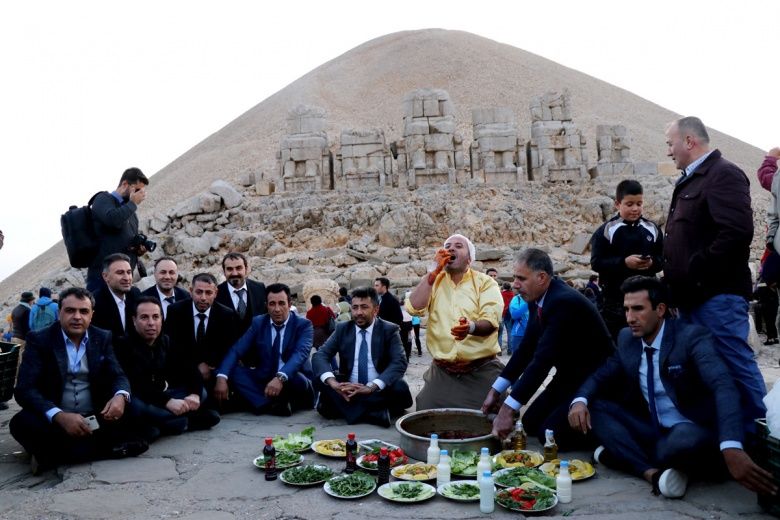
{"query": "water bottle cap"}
[(434, 437), (485, 451), (443, 452), (565, 464)]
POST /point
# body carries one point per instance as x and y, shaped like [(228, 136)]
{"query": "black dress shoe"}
[(129, 449), (281, 409), (202, 419), (378, 418)]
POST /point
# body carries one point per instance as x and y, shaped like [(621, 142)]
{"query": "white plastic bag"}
[(772, 402)]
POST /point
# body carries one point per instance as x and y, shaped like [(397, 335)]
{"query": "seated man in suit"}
[(115, 299), (668, 410), (281, 340), (370, 385), (152, 369), (200, 329), (564, 331), (166, 276), (69, 373)]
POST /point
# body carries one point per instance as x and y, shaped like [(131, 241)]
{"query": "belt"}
[(463, 367)]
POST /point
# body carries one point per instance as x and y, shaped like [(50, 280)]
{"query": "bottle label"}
[(270, 462)]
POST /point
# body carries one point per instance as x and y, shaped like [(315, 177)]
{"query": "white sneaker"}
[(673, 483), (597, 454)]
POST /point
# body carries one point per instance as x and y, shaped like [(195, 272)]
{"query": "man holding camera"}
[(116, 224)]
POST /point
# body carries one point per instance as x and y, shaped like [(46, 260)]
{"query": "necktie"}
[(363, 359), (241, 303), (277, 344), (169, 299), (539, 313), (201, 335), (649, 351)]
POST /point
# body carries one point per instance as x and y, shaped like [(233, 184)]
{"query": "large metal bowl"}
[(416, 429)]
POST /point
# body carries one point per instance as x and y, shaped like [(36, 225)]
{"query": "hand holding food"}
[(462, 329), (442, 258)]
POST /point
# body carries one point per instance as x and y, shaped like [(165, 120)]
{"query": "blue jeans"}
[(726, 317)]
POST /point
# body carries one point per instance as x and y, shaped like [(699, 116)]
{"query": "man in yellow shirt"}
[(464, 351)]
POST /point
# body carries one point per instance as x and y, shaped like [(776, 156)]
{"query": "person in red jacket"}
[(766, 172)]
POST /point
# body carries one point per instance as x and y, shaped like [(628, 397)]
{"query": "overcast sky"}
[(90, 88)]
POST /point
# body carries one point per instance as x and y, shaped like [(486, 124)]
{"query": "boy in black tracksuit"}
[(626, 245)]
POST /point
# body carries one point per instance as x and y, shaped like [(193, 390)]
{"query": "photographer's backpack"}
[(78, 233)]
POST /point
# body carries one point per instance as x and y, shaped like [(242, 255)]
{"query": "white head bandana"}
[(472, 250)]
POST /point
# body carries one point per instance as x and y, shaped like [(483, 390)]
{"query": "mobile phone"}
[(92, 422)]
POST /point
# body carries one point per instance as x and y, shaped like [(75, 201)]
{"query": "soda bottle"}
[(550, 447), (383, 467), (351, 457), (269, 459)]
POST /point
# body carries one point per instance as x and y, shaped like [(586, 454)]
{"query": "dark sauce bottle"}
[(269, 459), (351, 457)]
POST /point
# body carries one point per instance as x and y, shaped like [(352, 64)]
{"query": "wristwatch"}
[(282, 377), (373, 386)]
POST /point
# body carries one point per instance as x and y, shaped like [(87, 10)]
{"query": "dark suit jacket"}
[(571, 337), (153, 369), (255, 304), (387, 353), (692, 372), (115, 226), (220, 332), (296, 345), (708, 233), (44, 369), (107, 313), (179, 294), (390, 309)]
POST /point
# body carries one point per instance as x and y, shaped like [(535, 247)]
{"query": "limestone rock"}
[(230, 196), (405, 226), (328, 290)]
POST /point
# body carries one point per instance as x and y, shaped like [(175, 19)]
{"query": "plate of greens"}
[(460, 490), (528, 498), (464, 463), (515, 477), (306, 475), (284, 459), (406, 491), (356, 485), (297, 442)]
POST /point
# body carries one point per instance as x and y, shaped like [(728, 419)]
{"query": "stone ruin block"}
[(304, 159), (613, 144), (497, 154), (431, 151), (557, 149), (645, 168), (363, 160), (551, 106)]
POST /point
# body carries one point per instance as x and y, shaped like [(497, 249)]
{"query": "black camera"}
[(141, 240)]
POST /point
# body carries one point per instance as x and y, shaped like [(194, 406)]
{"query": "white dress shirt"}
[(372, 373)]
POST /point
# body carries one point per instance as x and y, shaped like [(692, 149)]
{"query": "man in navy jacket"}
[(281, 341), (664, 404)]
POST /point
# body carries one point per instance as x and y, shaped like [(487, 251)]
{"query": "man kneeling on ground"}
[(281, 341), (72, 392), (369, 386), (167, 390), (664, 404)]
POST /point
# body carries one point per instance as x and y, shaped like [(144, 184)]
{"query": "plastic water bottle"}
[(563, 483), (433, 450), (443, 469), (484, 464), (486, 493)]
